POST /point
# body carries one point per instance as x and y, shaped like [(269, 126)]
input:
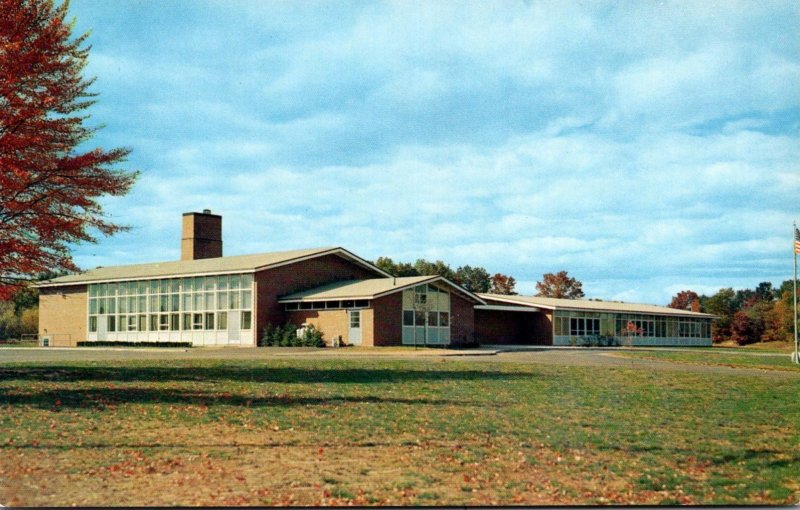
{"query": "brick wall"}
[(462, 319), (388, 319), (271, 284), (63, 314)]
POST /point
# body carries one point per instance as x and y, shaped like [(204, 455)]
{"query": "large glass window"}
[(153, 305)]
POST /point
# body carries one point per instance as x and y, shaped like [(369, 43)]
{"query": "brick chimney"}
[(202, 235)]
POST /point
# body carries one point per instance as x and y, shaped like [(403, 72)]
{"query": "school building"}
[(208, 299)]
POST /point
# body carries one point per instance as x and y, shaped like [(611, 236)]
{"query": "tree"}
[(765, 292), (559, 285), (426, 268), (49, 189), (474, 279), (502, 284), (685, 300), (723, 305)]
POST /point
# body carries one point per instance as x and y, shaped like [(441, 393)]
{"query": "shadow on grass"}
[(251, 374), (101, 398)]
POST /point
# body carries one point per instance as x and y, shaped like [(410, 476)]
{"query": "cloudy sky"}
[(645, 147)]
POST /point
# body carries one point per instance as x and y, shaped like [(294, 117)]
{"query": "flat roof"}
[(369, 289), (218, 265), (588, 305)]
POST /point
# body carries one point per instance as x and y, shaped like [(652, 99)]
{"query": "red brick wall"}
[(502, 327), (274, 283), (462, 319), (388, 315)]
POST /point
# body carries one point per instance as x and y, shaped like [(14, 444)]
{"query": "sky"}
[(645, 147)]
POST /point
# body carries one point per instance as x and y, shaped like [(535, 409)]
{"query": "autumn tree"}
[(474, 279), (686, 300), (503, 284), (559, 285), (50, 185)]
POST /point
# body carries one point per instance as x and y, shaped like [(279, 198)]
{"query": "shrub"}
[(113, 343), (286, 336)]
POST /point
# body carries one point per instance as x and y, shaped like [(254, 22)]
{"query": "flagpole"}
[(796, 358)]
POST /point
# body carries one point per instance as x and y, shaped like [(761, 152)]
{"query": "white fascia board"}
[(147, 278), (333, 251), (310, 299), (510, 299), (502, 308)]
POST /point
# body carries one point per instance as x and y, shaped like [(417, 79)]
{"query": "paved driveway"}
[(611, 358)]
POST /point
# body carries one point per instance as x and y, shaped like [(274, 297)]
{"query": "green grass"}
[(225, 432), (733, 359)]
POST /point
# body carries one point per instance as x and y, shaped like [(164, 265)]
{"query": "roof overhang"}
[(346, 254), (502, 308)]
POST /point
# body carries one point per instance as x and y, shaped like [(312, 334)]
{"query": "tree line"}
[(745, 316)]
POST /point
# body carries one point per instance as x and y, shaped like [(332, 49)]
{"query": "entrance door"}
[(233, 327), (102, 323), (354, 332)]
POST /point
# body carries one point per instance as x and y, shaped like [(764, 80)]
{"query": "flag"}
[(796, 240)]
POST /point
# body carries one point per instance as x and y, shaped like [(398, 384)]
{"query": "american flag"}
[(796, 240)]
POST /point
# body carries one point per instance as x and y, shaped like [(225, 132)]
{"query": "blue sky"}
[(645, 147)]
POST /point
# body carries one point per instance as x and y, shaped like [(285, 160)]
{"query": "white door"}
[(354, 332), (233, 327), (102, 327)]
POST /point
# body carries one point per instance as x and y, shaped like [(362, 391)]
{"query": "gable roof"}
[(212, 266), (594, 306), (370, 289)]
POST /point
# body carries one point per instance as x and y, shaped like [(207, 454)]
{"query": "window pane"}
[(246, 299), (209, 282), (175, 303), (92, 324), (197, 321), (142, 303), (101, 305), (187, 321), (222, 283), (432, 318), (209, 299), (143, 323), (233, 282), (222, 300), (222, 320), (92, 305), (408, 317), (247, 281), (163, 322), (163, 303), (187, 302), (444, 319), (233, 296), (209, 321), (154, 287), (197, 302), (154, 322), (247, 320), (419, 318), (141, 287), (112, 323), (174, 322), (132, 304)]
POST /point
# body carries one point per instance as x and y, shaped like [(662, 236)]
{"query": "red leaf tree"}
[(559, 285), (686, 300), (503, 284), (49, 184)]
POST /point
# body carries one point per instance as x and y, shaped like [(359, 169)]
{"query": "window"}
[(333, 304), (317, 305), (154, 323), (247, 318), (408, 317), (92, 324), (142, 323), (131, 323), (348, 303), (580, 326), (209, 321), (291, 306), (174, 322), (433, 319), (197, 321), (222, 320), (362, 303), (187, 322), (444, 319), (163, 322), (419, 318), (112, 323), (355, 319)]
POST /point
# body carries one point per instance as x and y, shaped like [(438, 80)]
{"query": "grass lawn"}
[(733, 359), (416, 432)]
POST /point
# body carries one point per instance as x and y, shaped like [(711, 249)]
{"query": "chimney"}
[(202, 235)]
